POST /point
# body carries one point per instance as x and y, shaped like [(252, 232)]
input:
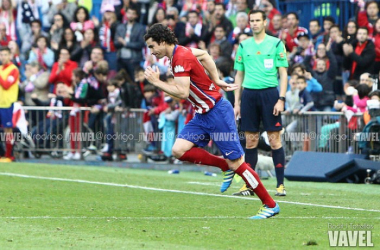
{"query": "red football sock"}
[(8, 145), (201, 156), (252, 180)]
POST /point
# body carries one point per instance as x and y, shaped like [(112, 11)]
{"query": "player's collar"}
[(175, 47)]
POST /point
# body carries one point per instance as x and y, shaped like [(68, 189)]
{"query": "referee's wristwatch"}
[(282, 98)]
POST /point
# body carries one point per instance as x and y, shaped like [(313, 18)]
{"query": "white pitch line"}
[(180, 191), (178, 218), (213, 184)]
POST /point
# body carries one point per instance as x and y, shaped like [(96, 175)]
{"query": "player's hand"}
[(237, 112), (278, 108), (151, 75), (226, 86)]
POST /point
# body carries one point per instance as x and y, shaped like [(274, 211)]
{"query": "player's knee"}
[(275, 143), (251, 143), (177, 152)]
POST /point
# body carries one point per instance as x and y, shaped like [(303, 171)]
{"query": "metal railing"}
[(49, 132), (320, 132)]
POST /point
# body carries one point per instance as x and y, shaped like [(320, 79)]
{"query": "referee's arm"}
[(282, 71)]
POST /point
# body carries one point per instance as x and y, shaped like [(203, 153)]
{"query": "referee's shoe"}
[(245, 191)]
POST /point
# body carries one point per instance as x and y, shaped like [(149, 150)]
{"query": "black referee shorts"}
[(257, 106)]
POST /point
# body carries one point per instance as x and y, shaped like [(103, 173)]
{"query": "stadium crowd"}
[(65, 57)]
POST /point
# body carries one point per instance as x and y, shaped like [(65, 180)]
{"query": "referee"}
[(258, 62)]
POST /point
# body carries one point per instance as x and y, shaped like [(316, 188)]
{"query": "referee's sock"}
[(201, 156), (252, 180), (251, 157), (278, 156)]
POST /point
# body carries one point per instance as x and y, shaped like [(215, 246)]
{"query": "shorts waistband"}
[(266, 89)]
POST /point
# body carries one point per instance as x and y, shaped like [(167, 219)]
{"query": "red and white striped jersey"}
[(204, 93)]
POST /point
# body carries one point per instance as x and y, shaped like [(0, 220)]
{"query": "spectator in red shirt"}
[(62, 70), (293, 31), (367, 15)]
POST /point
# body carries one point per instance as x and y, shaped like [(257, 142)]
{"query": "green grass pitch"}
[(78, 207)]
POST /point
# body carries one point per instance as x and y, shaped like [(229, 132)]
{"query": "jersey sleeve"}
[(182, 66), (239, 64), (281, 59)]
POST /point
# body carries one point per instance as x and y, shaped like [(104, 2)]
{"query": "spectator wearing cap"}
[(107, 33), (129, 41), (117, 6), (62, 70), (304, 48), (359, 55), (292, 32)]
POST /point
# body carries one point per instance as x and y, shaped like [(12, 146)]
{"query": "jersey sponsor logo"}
[(282, 55), (258, 53), (178, 69), (239, 58), (227, 154), (212, 87)]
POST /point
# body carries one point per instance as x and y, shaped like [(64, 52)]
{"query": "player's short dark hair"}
[(220, 4), (159, 33), (302, 78), (329, 19), (193, 12), (374, 93), (78, 72), (335, 26), (293, 13), (225, 66), (5, 49), (315, 20), (149, 88), (363, 90), (220, 26), (138, 69), (258, 11), (297, 65), (371, 2), (36, 21), (363, 28)]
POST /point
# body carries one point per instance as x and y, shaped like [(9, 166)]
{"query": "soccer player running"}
[(258, 60), (214, 115)]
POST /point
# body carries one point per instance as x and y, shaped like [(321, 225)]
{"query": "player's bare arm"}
[(180, 89), (209, 65), (279, 107), (239, 77)]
